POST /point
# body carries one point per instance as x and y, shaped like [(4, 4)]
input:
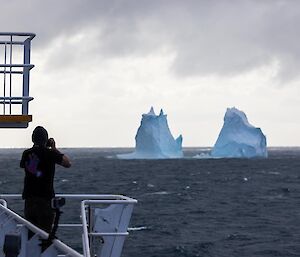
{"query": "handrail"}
[(22, 34), (57, 243), (109, 234), (4, 65), (3, 202), (16, 98), (94, 199), (78, 197), (85, 236), (3, 42)]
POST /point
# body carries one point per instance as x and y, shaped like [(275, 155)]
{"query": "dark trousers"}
[(39, 212)]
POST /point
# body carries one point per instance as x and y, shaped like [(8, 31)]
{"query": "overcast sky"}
[(99, 65)]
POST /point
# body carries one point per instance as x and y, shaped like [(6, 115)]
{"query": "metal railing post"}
[(27, 45), (10, 70), (4, 77)]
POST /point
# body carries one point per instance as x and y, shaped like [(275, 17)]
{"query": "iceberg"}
[(154, 139), (238, 138)]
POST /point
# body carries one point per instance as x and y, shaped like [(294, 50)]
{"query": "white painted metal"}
[(109, 222), (8, 224), (104, 216), (3, 202)]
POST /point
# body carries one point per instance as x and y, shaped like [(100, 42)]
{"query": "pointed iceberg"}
[(154, 139), (238, 138)]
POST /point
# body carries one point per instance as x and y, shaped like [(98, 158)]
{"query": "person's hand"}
[(51, 143)]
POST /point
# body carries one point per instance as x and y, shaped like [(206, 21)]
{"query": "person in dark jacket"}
[(39, 163)]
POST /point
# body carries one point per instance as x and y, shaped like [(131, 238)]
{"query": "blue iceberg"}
[(239, 139), (154, 139)]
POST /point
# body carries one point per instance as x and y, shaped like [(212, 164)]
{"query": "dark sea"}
[(186, 207)]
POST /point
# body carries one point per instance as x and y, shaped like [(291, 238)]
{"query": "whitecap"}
[(160, 193), (137, 228), (274, 173)]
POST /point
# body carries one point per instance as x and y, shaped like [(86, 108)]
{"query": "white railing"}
[(113, 235), (15, 51), (113, 232), (68, 251)]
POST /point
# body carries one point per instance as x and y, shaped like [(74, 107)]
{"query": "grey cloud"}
[(208, 37), (235, 37)]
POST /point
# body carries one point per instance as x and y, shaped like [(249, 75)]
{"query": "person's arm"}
[(22, 162), (65, 162)]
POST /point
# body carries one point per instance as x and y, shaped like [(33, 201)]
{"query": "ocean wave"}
[(160, 193), (138, 228)]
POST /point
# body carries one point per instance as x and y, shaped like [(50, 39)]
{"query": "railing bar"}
[(13, 72), (10, 68), (111, 201), (90, 227), (70, 225), (15, 101), (4, 77), (3, 202), (11, 102), (15, 97), (22, 34), (85, 240), (109, 234), (17, 65), (60, 225), (121, 198), (14, 42), (83, 244)]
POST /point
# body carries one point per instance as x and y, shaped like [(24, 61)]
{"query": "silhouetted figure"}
[(39, 165)]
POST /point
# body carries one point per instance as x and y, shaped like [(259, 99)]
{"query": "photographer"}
[(38, 163)]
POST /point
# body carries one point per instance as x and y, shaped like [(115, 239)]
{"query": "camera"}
[(50, 143), (57, 202)]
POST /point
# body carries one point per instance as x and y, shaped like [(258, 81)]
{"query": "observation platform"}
[(15, 66)]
